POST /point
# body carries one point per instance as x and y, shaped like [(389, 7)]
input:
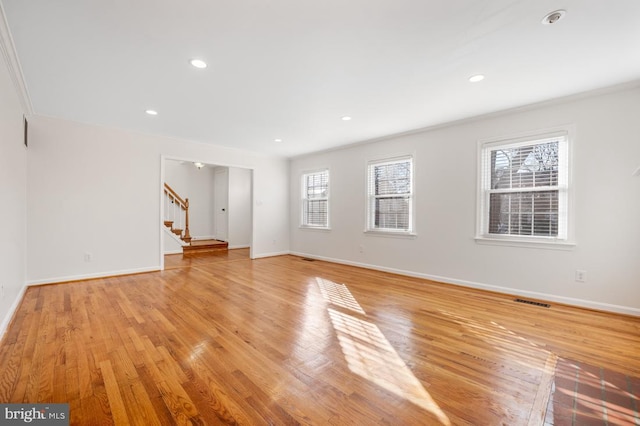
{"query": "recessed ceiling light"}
[(553, 17), (346, 118), (151, 112), (476, 78), (198, 63), (277, 140)]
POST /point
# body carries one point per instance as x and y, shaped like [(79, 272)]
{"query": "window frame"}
[(371, 197), (304, 201), (565, 238)]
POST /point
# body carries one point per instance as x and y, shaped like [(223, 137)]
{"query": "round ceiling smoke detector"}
[(553, 17)]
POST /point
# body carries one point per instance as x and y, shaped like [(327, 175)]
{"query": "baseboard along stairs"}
[(192, 246)]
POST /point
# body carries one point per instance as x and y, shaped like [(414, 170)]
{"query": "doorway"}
[(220, 203), (221, 197)]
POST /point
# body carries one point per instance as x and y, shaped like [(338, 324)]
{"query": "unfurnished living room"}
[(346, 213)]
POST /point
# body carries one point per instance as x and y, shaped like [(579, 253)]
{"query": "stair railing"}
[(174, 208)]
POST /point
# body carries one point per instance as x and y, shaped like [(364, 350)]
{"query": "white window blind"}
[(524, 189), (315, 199), (390, 195)]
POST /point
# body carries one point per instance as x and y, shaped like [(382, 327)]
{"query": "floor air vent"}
[(531, 302), (308, 259)]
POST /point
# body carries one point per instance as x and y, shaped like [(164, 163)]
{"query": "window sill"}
[(528, 243), (391, 234), (314, 228)]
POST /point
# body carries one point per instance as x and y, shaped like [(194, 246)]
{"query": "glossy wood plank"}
[(222, 339)]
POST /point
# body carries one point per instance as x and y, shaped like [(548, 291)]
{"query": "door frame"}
[(163, 158)]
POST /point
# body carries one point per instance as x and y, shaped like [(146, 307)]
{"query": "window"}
[(390, 195), (524, 186), (315, 199)]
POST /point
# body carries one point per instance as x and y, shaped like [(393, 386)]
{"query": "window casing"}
[(390, 195), (315, 199), (524, 190)]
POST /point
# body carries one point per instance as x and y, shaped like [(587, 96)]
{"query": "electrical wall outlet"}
[(581, 275), (87, 257), (361, 248)]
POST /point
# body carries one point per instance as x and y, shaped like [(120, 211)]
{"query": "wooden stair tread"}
[(203, 246), (208, 243)]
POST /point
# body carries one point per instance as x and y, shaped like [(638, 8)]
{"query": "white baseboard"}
[(203, 237), (92, 276), (626, 310), (173, 236), (11, 312), (173, 252), (239, 246), (275, 253)]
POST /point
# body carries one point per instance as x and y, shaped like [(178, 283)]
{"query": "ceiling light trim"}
[(553, 17)]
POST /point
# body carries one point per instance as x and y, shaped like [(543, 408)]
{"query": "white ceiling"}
[(290, 69)]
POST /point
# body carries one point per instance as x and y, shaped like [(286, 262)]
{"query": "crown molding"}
[(13, 64), (629, 85)]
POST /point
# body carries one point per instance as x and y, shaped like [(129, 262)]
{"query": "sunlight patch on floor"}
[(369, 354), (338, 294), (313, 336)]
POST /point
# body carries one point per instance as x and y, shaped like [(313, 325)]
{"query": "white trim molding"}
[(625, 310), (8, 49), (272, 254), (563, 136), (173, 252), (6, 321), (109, 274)]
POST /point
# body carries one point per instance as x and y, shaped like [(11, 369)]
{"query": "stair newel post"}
[(187, 236)]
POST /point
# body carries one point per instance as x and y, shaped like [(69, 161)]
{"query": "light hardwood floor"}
[(224, 339)]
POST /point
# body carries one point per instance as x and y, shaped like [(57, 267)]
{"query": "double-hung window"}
[(390, 195), (524, 190), (315, 199)]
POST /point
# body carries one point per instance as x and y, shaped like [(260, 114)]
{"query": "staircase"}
[(176, 214), (177, 231)]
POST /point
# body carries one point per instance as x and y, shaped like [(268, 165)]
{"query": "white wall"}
[(13, 190), (97, 190), (239, 207), (196, 185), (170, 242), (607, 206)]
